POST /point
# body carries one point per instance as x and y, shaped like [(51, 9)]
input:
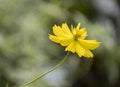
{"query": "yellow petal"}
[(80, 50), (58, 31), (78, 26), (83, 33), (66, 29), (71, 47), (54, 38), (71, 26), (89, 44), (88, 53), (65, 41), (74, 31)]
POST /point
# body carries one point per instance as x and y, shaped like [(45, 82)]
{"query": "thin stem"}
[(45, 73)]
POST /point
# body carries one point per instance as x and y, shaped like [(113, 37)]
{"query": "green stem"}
[(50, 70)]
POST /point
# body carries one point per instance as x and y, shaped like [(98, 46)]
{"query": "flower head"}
[(74, 40)]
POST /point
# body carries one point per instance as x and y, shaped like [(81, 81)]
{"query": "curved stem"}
[(45, 73)]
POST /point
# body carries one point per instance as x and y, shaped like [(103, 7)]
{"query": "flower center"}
[(76, 36)]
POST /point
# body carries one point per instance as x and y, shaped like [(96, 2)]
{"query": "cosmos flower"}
[(74, 40)]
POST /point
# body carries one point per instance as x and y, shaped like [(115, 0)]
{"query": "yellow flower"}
[(74, 40)]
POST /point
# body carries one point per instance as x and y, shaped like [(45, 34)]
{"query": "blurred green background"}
[(26, 51)]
